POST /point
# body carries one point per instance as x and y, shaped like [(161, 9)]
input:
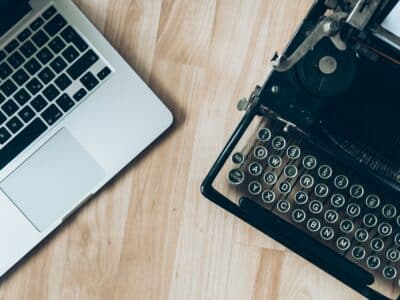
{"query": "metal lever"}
[(327, 27)]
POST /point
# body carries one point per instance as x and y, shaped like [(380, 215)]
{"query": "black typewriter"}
[(315, 161)]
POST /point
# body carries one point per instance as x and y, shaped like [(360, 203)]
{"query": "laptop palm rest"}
[(53, 180)]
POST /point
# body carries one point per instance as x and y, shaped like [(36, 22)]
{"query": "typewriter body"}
[(315, 161)]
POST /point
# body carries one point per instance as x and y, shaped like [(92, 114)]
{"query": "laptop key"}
[(51, 114), (70, 54), (57, 45), (89, 81), (55, 25), (24, 35), (49, 12), (14, 125), (3, 118), (26, 114), (82, 64), (11, 46), (16, 59), (35, 25), (63, 82), (58, 65), (20, 77), (46, 75), (51, 92), (65, 102), (28, 49), (3, 55), (104, 73), (22, 96), (32, 66), (16, 145), (4, 135), (5, 70), (80, 94), (40, 38), (34, 86), (10, 107), (71, 36), (45, 55), (8, 88), (39, 103)]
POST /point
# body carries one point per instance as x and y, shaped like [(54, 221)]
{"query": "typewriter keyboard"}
[(285, 175)]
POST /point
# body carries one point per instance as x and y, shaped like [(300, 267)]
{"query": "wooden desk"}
[(150, 234)]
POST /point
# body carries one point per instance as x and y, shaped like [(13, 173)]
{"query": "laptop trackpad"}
[(53, 180)]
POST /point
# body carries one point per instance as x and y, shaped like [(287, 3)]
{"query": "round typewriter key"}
[(255, 169), (301, 198), (309, 162), (346, 226), (285, 187), (356, 191), (393, 254), (389, 272), (389, 211), (238, 158), (270, 178), (298, 215), (274, 161), (268, 197), (327, 233), (321, 190), (264, 135), (255, 188), (343, 243), (370, 220), (313, 225), (236, 177), (341, 182), (290, 171), (377, 244), (278, 143), (361, 235), (331, 216), (373, 262), (385, 229), (372, 201), (358, 252), (338, 200), (293, 152), (353, 210), (325, 172), (306, 181), (315, 206), (260, 152), (397, 239), (283, 206)]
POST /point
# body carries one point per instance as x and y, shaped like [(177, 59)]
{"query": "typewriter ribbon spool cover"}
[(317, 155)]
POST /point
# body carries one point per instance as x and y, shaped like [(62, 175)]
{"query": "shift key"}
[(82, 64)]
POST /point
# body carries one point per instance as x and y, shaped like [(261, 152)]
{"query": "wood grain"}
[(150, 234)]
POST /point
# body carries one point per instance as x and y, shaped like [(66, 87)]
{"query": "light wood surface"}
[(150, 234)]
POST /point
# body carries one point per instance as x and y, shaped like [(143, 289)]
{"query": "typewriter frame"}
[(272, 225)]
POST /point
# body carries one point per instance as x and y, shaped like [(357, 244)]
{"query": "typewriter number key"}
[(278, 143), (270, 178), (372, 201), (260, 152), (309, 162), (293, 152), (356, 191), (341, 182), (264, 135), (389, 211), (325, 172), (236, 177)]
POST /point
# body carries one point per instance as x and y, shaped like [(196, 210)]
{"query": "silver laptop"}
[(72, 115)]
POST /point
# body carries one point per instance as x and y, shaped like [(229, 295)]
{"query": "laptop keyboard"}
[(45, 71), (287, 176)]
